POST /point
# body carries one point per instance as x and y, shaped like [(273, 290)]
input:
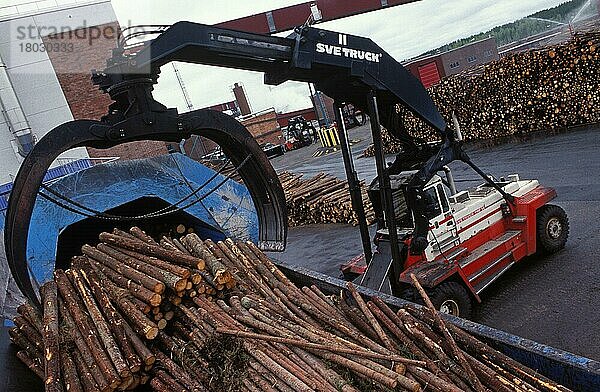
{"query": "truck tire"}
[(451, 298), (448, 297), (552, 229)]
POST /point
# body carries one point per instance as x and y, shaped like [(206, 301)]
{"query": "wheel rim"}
[(450, 306), (554, 228)]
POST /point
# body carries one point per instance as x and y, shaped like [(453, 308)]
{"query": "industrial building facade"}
[(432, 69), (31, 95), (47, 49)]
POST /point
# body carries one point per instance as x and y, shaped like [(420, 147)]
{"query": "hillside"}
[(521, 28)]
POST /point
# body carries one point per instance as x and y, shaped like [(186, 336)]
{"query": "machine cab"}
[(442, 234)]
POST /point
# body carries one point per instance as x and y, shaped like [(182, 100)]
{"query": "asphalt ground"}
[(552, 300)]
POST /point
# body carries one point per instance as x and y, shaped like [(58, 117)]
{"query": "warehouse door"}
[(429, 74)]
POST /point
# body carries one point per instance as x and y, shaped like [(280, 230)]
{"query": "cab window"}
[(443, 198)]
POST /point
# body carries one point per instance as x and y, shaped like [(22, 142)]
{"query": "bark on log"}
[(50, 335), (71, 380), (115, 321), (131, 273), (456, 352), (84, 351), (86, 328), (104, 331), (153, 250)]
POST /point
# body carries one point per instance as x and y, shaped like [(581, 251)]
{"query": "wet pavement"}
[(552, 300)]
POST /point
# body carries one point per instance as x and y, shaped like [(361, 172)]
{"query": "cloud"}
[(403, 31)]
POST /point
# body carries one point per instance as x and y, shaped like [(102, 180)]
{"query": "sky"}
[(403, 31)]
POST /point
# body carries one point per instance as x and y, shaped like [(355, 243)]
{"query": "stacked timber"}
[(99, 316), (318, 200), (545, 89), (321, 199), (264, 334)]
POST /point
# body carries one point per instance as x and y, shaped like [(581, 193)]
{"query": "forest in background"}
[(521, 28)]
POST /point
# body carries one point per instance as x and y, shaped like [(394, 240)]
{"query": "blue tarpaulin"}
[(229, 210)]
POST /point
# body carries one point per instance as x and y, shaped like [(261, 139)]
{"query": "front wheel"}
[(448, 297), (451, 298), (552, 229)]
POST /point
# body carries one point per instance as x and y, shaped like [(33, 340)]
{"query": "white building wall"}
[(32, 75)]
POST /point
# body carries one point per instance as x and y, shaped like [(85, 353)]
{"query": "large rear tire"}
[(552, 229)]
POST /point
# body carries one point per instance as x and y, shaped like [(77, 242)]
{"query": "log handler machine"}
[(455, 243)]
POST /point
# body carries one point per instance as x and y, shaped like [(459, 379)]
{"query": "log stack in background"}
[(317, 200), (538, 90), (321, 199), (262, 334)]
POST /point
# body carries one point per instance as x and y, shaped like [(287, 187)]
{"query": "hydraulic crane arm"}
[(344, 67)]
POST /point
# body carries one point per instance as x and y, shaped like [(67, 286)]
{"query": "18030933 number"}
[(35, 47)]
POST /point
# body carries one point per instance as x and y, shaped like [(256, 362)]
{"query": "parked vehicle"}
[(300, 133), (273, 150)]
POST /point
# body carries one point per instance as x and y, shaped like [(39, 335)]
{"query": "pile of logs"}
[(264, 334), (317, 200), (321, 199), (99, 315), (544, 89)]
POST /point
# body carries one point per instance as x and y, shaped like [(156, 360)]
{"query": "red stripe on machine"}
[(467, 227)]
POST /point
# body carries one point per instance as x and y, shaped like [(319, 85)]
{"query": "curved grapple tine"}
[(235, 140)]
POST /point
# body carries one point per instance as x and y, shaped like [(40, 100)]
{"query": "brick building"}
[(264, 127), (85, 100), (47, 50)]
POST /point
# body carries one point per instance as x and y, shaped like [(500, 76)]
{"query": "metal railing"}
[(29, 7)]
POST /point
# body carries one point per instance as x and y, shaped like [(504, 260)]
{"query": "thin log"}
[(429, 378), (115, 320), (362, 305), (104, 331), (32, 315), (31, 364), (131, 273), (86, 327), (167, 380), (136, 290), (140, 347), (123, 300), (141, 235), (86, 356), (220, 273), (50, 335), (174, 282), (72, 381), (456, 352), (85, 375), (153, 250), (30, 332), (316, 346), (164, 265)]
